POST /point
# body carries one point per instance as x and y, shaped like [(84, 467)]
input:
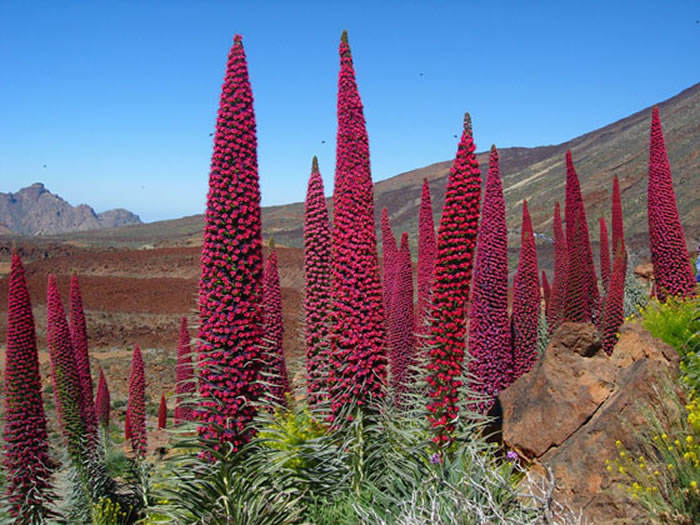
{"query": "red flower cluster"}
[(489, 337), (136, 404), (358, 331), (453, 268), (78, 332), (604, 254), (317, 278), (579, 242), (162, 413), (669, 254), (230, 289), (278, 382), (26, 450), (66, 378), (401, 321), (618, 230), (427, 249), (557, 300), (184, 376), (102, 401), (577, 307), (526, 302), (389, 257), (613, 309)]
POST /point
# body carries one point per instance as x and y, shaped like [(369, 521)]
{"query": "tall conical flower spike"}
[(317, 278), (26, 451), (669, 253), (102, 401), (136, 404), (613, 309), (162, 413), (604, 254), (389, 255), (453, 268), (555, 311), (427, 248), (618, 229), (184, 376), (230, 290)]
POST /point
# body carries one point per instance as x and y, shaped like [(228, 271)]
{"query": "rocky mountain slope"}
[(36, 211)]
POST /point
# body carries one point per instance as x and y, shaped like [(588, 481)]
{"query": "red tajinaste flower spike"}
[(78, 333), (618, 230), (489, 337), (427, 248), (546, 291), (401, 321), (526, 302), (577, 308), (453, 269), (389, 256), (102, 401), (230, 290), (613, 309), (184, 376), (26, 450), (604, 254), (66, 379), (278, 382), (358, 332), (317, 278), (574, 210), (669, 253), (555, 311), (127, 427), (162, 413), (136, 404)]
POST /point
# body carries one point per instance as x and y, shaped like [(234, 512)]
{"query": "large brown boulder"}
[(569, 410)]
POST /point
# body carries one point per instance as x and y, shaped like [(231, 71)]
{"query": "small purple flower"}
[(435, 458), (512, 456)]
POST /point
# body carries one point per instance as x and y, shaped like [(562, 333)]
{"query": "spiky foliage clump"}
[(358, 332), (557, 301), (526, 302), (617, 225), (489, 337), (136, 404), (401, 322), (162, 413), (26, 451), (546, 291), (579, 242), (390, 254), (669, 254), (102, 401), (317, 289), (613, 313), (604, 254), (230, 289), (184, 376), (275, 366), (542, 334), (636, 296), (453, 268), (427, 248)]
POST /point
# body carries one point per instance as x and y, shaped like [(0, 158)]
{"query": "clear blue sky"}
[(118, 99)]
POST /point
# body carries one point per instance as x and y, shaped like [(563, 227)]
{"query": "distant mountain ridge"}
[(34, 210)]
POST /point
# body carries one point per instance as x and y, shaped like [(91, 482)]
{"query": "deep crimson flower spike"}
[(577, 308), (317, 278), (574, 211), (230, 289), (184, 376), (136, 404), (401, 321), (102, 401), (278, 382), (127, 427), (78, 333), (162, 413), (427, 249), (669, 253), (613, 309), (546, 291), (555, 311), (604, 254), (618, 230), (64, 371), (358, 332), (526, 302), (489, 334), (26, 450), (453, 268), (389, 256)]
